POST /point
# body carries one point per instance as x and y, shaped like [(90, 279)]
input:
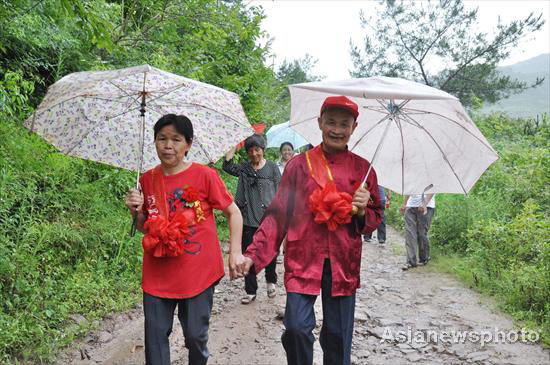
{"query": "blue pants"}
[(381, 230), (336, 332), (194, 316)]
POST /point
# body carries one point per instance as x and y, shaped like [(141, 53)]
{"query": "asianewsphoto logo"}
[(482, 337)]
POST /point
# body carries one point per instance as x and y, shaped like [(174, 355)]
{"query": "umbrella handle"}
[(134, 224), (354, 209), (135, 214)]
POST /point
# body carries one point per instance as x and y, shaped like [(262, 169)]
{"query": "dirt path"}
[(398, 316)]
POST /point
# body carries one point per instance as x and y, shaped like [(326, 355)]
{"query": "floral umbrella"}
[(418, 138), (108, 116)]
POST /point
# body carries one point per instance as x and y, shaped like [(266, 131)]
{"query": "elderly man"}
[(322, 209)]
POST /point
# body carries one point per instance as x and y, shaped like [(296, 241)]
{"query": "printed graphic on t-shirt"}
[(175, 202)]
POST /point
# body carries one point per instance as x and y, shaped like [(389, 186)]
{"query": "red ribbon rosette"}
[(330, 206), (166, 238)]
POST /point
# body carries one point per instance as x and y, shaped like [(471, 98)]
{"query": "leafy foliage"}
[(409, 39)]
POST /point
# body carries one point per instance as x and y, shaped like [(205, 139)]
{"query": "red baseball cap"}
[(340, 102)]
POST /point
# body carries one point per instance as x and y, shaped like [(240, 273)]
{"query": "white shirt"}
[(416, 200), (281, 166)]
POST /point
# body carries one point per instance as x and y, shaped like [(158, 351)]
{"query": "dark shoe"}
[(422, 263), (381, 242), (407, 267)]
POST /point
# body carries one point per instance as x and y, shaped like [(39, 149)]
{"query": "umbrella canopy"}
[(414, 135), (280, 133), (108, 116)]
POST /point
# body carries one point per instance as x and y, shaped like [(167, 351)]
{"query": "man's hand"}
[(403, 209), (235, 263), (360, 200), (134, 200), (245, 267), (423, 209)]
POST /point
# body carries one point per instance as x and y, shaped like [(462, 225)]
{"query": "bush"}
[(64, 246)]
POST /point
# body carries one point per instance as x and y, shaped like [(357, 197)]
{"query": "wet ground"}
[(402, 317)]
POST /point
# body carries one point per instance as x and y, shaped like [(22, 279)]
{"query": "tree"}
[(291, 72), (435, 42)]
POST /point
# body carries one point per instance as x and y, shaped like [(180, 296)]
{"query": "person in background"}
[(323, 248), (418, 211), (381, 229), (287, 152), (182, 259), (258, 182)]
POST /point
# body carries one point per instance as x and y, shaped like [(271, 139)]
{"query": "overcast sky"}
[(323, 29)]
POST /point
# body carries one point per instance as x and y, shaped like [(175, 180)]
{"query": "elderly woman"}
[(258, 182), (287, 152), (182, 259)]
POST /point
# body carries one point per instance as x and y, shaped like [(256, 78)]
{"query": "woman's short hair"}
[(286, 144), (182, 124), (254, 140)]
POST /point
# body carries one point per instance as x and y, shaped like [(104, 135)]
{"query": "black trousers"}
[(336, 332), (194, 316), (250, 281)]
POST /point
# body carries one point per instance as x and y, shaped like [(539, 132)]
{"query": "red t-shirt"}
[(201, 264)]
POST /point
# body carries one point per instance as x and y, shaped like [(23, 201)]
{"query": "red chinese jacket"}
[(308, 243)]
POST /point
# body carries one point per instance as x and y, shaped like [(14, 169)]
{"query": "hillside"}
[(533, 101)]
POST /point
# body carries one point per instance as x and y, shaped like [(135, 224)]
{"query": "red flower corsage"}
[(166, 238), (330, 206)]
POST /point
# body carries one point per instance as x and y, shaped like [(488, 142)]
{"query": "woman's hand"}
[(235, 263), (134, 200), (229, 155)]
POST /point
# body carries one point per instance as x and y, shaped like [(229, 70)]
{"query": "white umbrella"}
[(416, 136), (108, 116), (282, 132)]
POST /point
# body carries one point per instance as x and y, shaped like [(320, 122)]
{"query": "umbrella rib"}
[(388, 115), (124, 112), (85, 135), (369, 130), (400, 127), (414, 122), (124, 91), (375, 109), (454, 122), (156, 110), (84, 96), (176, 87), (203, 149), (214, 110)]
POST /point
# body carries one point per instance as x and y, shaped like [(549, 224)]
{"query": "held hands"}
[(360, 200), (134, 200), (239, 265)]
